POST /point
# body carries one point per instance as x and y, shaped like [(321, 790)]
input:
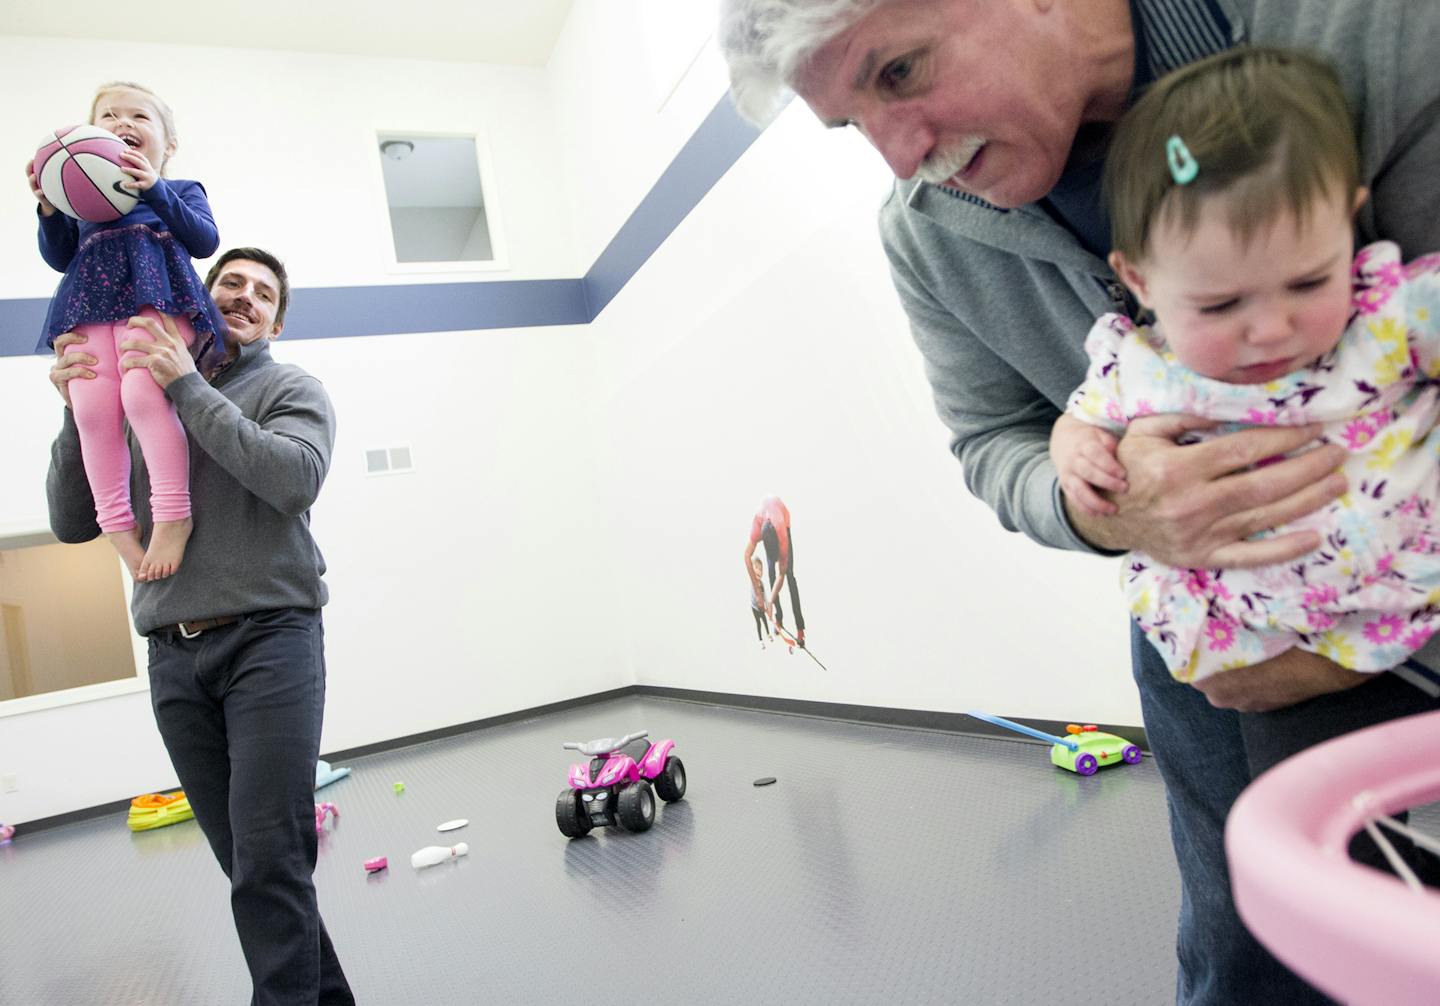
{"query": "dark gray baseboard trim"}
[(120, 806), (534, 712), (116, 807), (919, 719)]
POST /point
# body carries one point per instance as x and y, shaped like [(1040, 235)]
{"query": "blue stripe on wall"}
[(334, 312), (21, 322), (706, 156)]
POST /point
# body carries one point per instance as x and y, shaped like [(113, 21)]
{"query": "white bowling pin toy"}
[(432, 854)]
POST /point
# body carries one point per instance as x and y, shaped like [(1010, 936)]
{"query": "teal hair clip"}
[(1182, 164)]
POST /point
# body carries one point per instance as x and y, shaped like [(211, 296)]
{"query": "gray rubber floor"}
[(886, 865)]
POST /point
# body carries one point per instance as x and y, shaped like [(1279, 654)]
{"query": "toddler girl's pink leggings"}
[(101, 405)]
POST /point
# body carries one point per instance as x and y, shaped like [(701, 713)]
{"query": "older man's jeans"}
[(1206, 757), (239, 708)]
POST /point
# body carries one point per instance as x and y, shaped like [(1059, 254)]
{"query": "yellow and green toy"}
[(1085, 751), (156, 810)]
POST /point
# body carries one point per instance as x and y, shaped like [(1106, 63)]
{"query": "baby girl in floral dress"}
[(1233, 186)]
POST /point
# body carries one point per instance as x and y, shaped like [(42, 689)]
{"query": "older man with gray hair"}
[(995, 115)]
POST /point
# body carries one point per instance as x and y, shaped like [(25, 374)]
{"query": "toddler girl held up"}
[(138, 265)]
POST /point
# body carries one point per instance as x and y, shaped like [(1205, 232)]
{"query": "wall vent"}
[(388, 460)]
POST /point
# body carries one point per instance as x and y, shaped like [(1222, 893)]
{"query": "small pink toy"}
[(7, 832), (376, 864), (321, 809)]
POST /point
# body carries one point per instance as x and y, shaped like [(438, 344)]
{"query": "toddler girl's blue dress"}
[(113, 269)]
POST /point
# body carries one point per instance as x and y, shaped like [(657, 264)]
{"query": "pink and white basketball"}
[(79, 171)]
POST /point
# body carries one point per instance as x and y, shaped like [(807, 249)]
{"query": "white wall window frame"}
[(500, 258), (27, 536)]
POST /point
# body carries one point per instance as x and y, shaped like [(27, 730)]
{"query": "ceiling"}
[(473, 31)]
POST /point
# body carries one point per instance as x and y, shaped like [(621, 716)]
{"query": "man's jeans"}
[(239, 708), (1206, 756)]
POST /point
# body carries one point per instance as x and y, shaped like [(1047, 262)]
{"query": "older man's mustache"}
[(950, 160)]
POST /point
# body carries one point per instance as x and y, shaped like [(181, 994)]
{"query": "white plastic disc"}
[(459, 822)]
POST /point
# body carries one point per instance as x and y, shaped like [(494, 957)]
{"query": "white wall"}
[(30, 411), (762, 351), (581, 497), (478, 584), (288, 152), (626, 96), (474, 586)]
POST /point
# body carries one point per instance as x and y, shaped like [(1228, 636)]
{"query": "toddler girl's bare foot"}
[(127, 543), (167, 548)]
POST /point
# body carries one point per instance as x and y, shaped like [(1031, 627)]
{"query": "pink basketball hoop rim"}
[(1359, 935)]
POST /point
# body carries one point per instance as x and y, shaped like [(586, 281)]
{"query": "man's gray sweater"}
[(261, 434)]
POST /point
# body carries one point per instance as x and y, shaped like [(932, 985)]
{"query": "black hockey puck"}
[(766, 781)]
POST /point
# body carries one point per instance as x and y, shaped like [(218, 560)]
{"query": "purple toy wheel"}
[(1131, 754), (1085, 764)]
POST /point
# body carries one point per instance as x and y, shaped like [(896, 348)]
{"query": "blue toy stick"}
[(1001, 721)]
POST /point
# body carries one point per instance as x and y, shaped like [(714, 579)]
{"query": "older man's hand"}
[(69, 366), (1294, 676), (1196, 505), (164, 354)]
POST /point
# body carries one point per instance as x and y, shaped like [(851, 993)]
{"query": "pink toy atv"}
[(614, 786), (323, 810)]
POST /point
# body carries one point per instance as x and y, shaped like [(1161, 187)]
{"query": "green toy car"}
[(1089, 750), (1086, 750)]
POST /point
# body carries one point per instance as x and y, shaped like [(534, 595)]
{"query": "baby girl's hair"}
[(167, 117), (1269, 127)]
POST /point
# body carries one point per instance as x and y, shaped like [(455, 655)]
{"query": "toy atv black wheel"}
[(670, 783), (570, 815), (636, 806)]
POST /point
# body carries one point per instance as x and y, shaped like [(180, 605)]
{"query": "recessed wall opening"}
[(435, 194), (64, 622)]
